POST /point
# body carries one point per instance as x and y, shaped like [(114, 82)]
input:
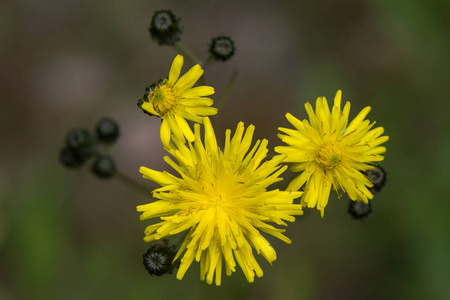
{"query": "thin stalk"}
[(183, 50), (223, 98), (209, 61), (187, 53), (131, 183)]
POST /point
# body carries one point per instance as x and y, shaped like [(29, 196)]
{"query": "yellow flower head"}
[(174, 100), (329, 152), (223, 202)]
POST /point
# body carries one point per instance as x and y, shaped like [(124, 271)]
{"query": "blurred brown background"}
[(65, 234)]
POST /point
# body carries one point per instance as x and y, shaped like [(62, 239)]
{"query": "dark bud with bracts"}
[(166, 28), (107, 131), (103, 167), (80, 146), (378, 177), (69, 158), (221, 48), (158, 260), (360, 210)]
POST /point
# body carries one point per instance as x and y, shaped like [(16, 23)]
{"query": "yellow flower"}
[(174, 100), (329, 152), (222, 201)]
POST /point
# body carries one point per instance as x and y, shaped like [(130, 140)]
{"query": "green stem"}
[(209, 61), (226, 92), (130, 182), (107, 149), (186, 52)]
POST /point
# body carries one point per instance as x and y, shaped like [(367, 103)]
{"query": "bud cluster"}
[(82, 145)]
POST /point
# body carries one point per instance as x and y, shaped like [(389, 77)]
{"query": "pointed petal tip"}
[(178, 61), (142, 169)]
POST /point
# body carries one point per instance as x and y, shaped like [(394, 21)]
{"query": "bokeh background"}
[(65, 234)]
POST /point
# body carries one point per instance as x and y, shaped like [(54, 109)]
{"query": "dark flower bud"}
[(103, 167), (166, 28), (82, 142), (222, 48), (377, 177), (69, 158), (158, 260), (107, 131), (360, 210)]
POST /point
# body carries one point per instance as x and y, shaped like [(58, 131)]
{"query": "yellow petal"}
[(175, 69), (176, 130), (194, 102), (210, 137), (184, 127), (189, 115), (337, 99), (147, 106), (156, 176), (202, 110), (198, 91), (165, 133), (294, 121), (189, 79), (358, 120)]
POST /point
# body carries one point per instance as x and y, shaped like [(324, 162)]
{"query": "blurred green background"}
[(66, 235)]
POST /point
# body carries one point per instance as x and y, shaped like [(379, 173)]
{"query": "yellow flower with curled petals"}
[(222, 201), (175, 100), (330, 153)]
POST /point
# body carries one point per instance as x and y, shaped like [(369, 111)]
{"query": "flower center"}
[(329, 156), (163, 99), (218, 201)]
